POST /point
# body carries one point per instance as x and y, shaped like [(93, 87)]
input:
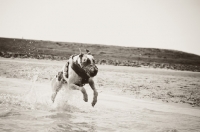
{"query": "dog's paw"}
[(85, 98), (53, 97), (94, 98), (94, 102)]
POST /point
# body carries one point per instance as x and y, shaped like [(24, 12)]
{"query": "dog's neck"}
[(79, 70)]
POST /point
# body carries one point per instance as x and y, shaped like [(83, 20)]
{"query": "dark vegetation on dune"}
[(111, 55)]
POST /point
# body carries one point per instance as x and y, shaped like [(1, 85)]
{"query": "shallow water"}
[(26, 106)]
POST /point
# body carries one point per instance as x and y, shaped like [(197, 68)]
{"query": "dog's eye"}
[(84, 60)]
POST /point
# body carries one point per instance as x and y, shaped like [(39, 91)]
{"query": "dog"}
[(79, 70)]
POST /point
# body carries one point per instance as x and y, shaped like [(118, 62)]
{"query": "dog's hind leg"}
[(82, 89), (56, 85), (53, 96)]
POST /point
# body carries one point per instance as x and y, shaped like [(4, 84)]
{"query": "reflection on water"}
[(33, 111)]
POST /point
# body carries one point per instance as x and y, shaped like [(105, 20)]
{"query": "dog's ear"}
[(88, 52), (81, 54)]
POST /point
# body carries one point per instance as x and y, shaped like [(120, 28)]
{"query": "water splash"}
[(38, 97)]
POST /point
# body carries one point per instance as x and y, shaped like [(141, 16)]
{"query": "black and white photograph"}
[(99, 65)]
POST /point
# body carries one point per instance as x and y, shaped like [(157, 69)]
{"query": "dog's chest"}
[(74, 78)]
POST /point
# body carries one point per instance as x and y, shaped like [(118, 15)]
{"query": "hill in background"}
[(104, 54)]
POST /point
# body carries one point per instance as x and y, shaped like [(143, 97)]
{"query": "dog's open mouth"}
[(91, 70), (85, 71)]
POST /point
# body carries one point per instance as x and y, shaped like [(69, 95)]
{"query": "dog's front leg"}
[(92, 85), (82, 89)]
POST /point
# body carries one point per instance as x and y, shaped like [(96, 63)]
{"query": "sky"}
[(166, 24)]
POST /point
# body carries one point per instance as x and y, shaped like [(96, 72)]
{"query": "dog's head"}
[(87, 62)]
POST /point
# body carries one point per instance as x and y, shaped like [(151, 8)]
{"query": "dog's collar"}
[(80, 72)]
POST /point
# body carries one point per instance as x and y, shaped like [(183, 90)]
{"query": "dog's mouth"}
[(91, 70)]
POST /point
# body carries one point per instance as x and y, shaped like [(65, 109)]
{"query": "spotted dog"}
[(78, 71)]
